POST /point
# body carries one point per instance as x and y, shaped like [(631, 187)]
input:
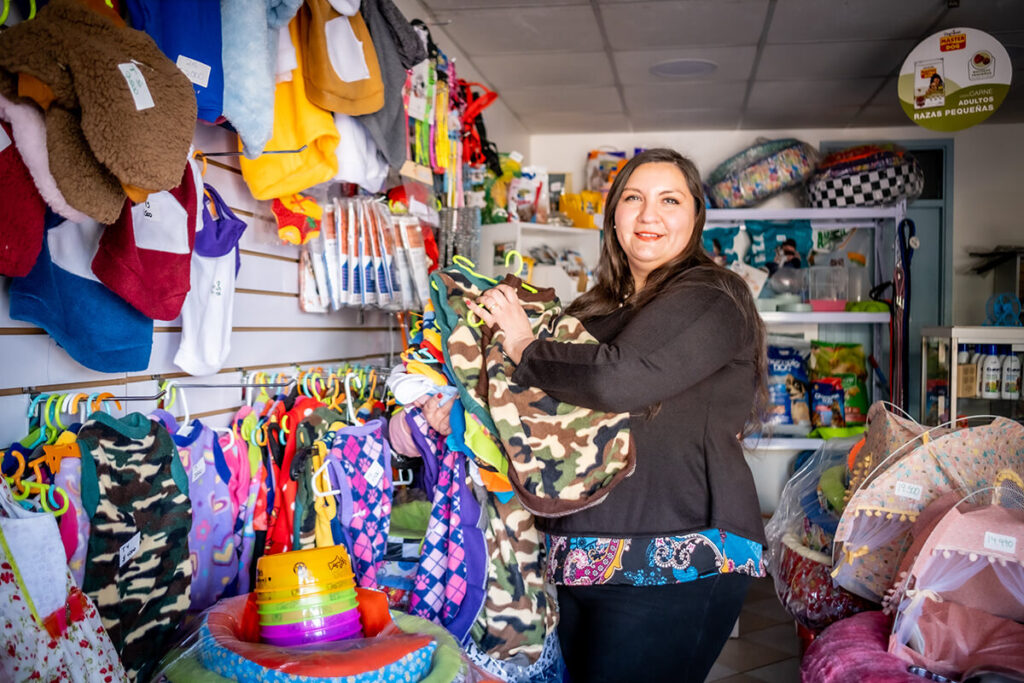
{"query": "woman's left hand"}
[(500, 306)]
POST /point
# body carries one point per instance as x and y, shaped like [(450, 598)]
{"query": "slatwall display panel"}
[(270, 332)]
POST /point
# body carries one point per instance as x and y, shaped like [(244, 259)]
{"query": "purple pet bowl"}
[(279, 638)]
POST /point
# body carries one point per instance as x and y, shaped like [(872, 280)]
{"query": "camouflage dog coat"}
[(562, 458)]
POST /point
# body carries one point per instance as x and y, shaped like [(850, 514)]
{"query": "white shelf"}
[(820, 318), (780, 443), (979, 334), (853, 214), (545, 229)]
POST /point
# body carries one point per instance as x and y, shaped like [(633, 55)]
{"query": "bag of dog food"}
[(827, 403), (847, 362), (789, 409)]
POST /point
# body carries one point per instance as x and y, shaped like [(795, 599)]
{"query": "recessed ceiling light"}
[(683, 68)]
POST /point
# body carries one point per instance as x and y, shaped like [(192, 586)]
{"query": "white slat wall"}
[(269, 331)]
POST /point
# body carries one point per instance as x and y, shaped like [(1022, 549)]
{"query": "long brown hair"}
[(692, 267)]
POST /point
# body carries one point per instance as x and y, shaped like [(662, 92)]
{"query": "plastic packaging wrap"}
[(800, 541), (225, 646)]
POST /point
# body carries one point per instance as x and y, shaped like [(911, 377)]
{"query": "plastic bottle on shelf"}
[(978, 359), (1010, 380), (991, 373), (962, 355)]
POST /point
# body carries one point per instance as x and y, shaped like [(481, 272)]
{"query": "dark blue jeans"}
[(612, 634)]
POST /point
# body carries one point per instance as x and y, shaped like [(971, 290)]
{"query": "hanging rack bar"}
[(238, 154)]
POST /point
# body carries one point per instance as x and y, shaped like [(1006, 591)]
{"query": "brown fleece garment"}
[(76, 52), (323, 86)]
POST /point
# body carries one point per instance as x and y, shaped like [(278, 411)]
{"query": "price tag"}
[(1000, 542), (129, 549), (196, 71), (137, 85), (374, 474), (907, 490), (198, 468)]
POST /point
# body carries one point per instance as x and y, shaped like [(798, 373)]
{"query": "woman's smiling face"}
[(654, 218)]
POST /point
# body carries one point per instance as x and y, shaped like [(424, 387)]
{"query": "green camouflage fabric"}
[(309, 431), (563, 458), (449, 288), (136, 497), (520, 609)]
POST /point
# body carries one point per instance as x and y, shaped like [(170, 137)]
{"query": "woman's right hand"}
[(438, 416)]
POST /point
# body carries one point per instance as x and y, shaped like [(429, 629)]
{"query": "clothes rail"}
[(130, 379)]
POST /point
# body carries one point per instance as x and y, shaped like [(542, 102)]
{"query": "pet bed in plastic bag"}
[(867, 175), (760, 171)]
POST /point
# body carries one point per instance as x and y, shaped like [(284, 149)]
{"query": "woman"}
[(681, 349)]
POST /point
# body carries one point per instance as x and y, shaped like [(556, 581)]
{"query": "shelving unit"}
[(497, 238), (938, 354), (770, 460)]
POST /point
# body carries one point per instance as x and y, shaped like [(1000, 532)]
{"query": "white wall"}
[(269, 331), (986, 197), (503, 127)]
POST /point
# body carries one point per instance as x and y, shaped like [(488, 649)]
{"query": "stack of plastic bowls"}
[(307, 596)]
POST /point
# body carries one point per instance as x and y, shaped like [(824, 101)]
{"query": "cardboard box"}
[(966, 380)]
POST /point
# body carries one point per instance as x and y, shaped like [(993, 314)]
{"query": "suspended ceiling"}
[(584, 65)]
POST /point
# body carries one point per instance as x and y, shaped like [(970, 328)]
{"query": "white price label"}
[(374, 474), (129, 549), (907, 490), (196, 71), (1000, 542), (198, 468), (137, 85), (5, 139)]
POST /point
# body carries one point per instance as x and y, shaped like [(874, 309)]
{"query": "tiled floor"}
[(767, 649)]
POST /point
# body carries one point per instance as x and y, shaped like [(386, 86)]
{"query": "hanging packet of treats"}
[(355, 278), (369, 285), (377, 253), (311, 298), (403, 269), (341, 222), (387, 255), (329, 251), (412, 240)]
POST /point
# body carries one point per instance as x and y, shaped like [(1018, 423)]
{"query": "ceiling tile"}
[(562, 122), (802, 117), (687, 119), (986, 15), (526, 29), (811, 21), (545, 69), (677, 96), (734, 63), (566, 99), (438, 5), (861, 59), (795, 95), (889, 114), (639, 25)]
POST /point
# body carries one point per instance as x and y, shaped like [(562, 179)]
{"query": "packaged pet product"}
[(760, 171), (789, 410), (720, 244), (777, 244), (827, 403), (847, 362)]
